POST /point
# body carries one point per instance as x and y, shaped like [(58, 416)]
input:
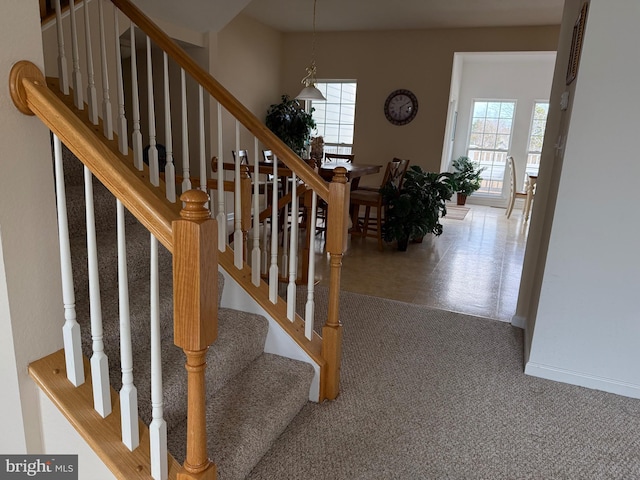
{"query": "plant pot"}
[(403, 243), (461, 199), (417, 240)]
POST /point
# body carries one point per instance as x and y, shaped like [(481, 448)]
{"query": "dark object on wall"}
[(576, 44), (401, 107)]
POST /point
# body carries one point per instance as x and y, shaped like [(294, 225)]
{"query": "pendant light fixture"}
[(310, 91)]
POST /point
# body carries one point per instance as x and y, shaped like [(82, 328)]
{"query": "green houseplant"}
[(289, 121), (415, 209), (466, 178)]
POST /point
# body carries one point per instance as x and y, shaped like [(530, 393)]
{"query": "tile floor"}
[(474, 267)]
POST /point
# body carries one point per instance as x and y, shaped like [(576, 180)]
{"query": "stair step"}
[(138, 260), (241, 338), (73, 168), (245, 418), (104, 208), (252, 396)]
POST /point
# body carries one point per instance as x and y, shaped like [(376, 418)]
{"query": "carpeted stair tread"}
[(139, 301), (104, 210), (241, 339), (247, 416), (251, 396), (138, 260)]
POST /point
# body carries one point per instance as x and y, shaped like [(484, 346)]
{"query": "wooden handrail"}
[(31, 96), (226, 99)]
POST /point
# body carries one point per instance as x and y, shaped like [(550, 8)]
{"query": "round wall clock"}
[(401, 107)]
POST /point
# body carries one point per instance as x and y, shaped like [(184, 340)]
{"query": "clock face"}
[(401, 107)]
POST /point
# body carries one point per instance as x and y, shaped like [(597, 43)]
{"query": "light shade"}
[(310, 93)]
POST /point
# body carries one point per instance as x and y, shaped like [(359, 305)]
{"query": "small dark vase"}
[(461, 199), (403, 243)]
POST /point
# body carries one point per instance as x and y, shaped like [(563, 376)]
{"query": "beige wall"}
[(30, 286), (249, 65), (420, 61)]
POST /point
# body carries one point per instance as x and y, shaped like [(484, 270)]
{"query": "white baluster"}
[(309, 310), (265, 237), (99, 360), (203, 156), (186, 181), (128, 392), (123, 144), (136, 135), (71, 328), (158, 426), (238, 240), (293, 252), (169, 169), (107, 117), (92, 96), (63, 75), (76, 75), (255, 252), (222, 215), (285, 237), (154, 169), (273, 269)]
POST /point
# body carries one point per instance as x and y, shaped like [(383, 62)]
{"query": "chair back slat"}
[(339, 157)]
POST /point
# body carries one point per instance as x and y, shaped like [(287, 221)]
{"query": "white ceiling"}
[(335, 15), (345, 15)]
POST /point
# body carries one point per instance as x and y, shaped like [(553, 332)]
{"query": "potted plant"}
[(291, 123), (466, 178), (416, 208)]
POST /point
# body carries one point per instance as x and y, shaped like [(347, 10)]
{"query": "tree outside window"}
[(335, 118), (536, 136), (489, 141)]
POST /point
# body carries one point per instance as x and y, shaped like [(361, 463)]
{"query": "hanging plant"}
[(291, 123)]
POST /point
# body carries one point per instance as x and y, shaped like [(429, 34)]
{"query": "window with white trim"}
[(489, 141), (536, 136), (335, 118)]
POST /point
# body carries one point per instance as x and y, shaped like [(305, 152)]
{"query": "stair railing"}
[(190, 234), (249, 130), (281, 255), (132, 168)]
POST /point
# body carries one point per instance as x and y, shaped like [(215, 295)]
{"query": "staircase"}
[(251, 395), (142, 288)]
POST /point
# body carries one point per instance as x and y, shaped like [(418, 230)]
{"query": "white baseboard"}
[(519, 321), (581, 379)]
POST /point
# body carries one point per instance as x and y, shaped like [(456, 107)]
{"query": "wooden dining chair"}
[(372, 227), (513, 192), (339, 157), (243, 155)]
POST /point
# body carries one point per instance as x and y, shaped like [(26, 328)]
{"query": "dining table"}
[(355, 171)]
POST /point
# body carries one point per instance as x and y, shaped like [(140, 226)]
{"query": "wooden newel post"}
[(195, 323), (337, 227)]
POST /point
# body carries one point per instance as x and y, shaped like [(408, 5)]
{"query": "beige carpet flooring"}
[(428, 394)]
